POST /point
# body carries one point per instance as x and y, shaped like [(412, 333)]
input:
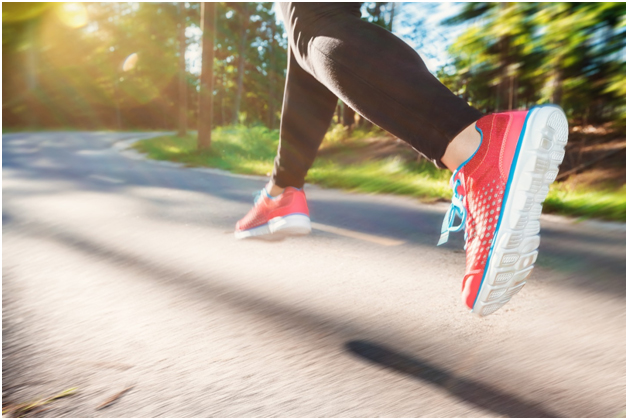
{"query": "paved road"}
[(123, 272)]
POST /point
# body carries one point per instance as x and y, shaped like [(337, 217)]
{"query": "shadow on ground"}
[(477, 393)]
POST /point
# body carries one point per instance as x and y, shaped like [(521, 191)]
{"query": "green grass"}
[(608, 205), (390, 176), (237, 149), (251, 150)]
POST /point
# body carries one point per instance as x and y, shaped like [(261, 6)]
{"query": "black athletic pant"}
[(334, 54)]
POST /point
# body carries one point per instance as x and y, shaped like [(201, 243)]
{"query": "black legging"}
[(334, 54)]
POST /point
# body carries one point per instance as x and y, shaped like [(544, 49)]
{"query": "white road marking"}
[(380, 240), (107, 179)]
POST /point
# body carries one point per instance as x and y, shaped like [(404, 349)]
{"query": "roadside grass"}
[(251, 150)]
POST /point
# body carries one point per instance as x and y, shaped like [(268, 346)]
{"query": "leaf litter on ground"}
[(114, 398), (20, 410)]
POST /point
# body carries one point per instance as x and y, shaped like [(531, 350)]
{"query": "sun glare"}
[(73, 15)]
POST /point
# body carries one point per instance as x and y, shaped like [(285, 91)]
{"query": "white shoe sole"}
[(278, 228), (515, 248)]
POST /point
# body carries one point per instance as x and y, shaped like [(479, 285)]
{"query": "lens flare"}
[(130, 62), (73, 15)]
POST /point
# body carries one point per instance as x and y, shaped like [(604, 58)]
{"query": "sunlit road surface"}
[(122, 272)]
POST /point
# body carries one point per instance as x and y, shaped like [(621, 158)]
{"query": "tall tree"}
[(244, 16), (183, 87), (205, 112), (88, 86), (520, 54)]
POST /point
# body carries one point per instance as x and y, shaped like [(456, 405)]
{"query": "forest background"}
[(121, 66)]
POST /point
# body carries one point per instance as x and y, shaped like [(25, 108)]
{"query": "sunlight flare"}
[(130, 62), (73, 15)]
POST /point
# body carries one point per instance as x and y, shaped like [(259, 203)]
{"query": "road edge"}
[(123, 147)]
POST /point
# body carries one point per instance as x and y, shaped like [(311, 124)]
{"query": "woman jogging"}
[(502, 163)]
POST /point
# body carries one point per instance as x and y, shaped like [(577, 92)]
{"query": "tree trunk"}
[(516, 92), (183, 94), (31, 72), (223, 118), (271, 79), (241, 48), (219, 88), (205, 100), (348, 116), (557, 85), (116, 93), (511, 92), (364, 123), (504, 83)]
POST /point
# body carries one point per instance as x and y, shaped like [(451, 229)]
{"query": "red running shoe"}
[(276, 217), (498, 194)]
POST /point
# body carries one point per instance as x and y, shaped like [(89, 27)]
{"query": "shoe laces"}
[(457, 208), (258, 195)]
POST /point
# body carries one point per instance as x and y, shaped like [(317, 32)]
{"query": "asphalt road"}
[(120, 272)]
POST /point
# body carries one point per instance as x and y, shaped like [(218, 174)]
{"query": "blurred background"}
[(137, 66), (115, 65)]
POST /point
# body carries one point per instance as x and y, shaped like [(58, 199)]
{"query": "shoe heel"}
[(292, 225)]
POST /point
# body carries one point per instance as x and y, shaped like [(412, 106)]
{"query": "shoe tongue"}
[(484, 126)]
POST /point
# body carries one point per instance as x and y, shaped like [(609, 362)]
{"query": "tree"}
[(243, 12), (183, 93), (205, 112), (519, 54)]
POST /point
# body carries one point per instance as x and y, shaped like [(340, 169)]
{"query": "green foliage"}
[(391, 176), (519, 54), (58, 74), (609, 205), (240, 149), (337, 134)]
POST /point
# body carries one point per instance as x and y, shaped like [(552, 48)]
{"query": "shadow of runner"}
[(477, 393)]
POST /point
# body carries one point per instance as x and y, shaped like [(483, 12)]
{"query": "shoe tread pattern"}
[(516, 246)]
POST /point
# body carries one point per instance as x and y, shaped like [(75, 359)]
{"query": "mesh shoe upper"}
[(480, 185), (266, 208)]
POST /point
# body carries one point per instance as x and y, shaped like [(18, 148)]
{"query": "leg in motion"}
[(281, 208), (333, 53), (503, 163), (377, 74), (308, 108)]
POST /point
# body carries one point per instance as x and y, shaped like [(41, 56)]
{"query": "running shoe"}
[(498, 194), (276, 217)]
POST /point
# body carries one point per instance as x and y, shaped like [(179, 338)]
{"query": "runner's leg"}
[(308, 108)]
